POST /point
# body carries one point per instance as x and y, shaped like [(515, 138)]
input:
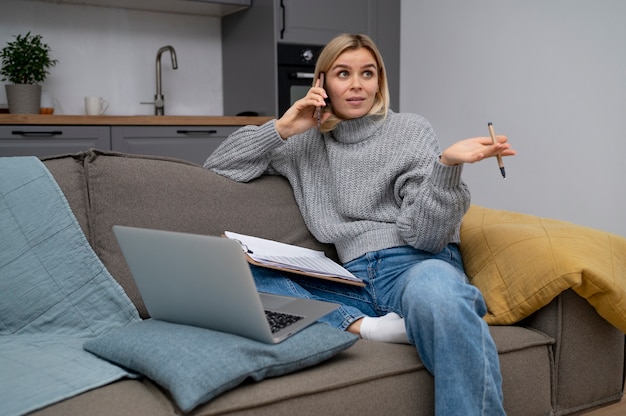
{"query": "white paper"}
[(273, 253)]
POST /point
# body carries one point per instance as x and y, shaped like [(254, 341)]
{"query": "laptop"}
[(205, 281)]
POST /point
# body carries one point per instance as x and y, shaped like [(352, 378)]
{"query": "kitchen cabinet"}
[(250, 39), (191, 138), (192, 143), (317, 22), (196, 7), (29, 140)]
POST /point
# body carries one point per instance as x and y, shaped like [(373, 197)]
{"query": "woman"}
[(375, 184)]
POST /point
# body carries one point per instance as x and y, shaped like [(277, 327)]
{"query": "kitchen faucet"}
[(159, 99)]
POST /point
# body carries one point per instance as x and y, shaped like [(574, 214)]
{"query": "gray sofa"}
[(563, 359)]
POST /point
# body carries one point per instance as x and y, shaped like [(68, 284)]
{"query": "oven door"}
[(293, 83)]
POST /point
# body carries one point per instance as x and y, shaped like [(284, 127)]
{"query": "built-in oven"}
[(296, 66)]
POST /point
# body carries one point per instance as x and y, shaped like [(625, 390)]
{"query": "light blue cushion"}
[(196, 364)]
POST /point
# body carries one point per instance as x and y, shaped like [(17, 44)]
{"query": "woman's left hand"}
[(476, 149)]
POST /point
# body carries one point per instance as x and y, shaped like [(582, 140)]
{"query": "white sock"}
[(388, 328)]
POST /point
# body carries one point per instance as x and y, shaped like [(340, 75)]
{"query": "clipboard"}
[(293, 259)]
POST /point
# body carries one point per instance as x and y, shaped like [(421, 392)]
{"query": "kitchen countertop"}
[(77, 120)]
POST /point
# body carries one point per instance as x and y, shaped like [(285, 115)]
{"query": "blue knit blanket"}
[(54, 294)]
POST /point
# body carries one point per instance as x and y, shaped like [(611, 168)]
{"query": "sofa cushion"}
[(521, 262), (170, 194), (197, 364), (136, 397), (394, 370)]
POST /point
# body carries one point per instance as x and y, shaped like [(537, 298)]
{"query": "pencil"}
[(498, 156)]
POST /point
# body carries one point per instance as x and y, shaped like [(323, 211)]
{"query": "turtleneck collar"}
[(357, 130)]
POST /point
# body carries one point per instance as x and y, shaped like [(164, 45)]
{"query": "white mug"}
[(95, 106)]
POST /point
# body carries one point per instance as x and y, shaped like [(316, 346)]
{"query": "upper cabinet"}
[(317, 22), (197, 7)]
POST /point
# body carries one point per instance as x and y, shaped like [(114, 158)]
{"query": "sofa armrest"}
[(588, 353), (562, 279)]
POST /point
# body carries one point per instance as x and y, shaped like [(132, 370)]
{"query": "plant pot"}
[(23, 98)]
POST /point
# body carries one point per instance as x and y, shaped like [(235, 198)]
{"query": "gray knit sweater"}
[(372, 183)]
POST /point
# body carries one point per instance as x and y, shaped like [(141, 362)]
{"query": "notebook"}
[(205, 281), (293, 259)]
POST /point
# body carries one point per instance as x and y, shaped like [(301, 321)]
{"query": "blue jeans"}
[(443, 317)]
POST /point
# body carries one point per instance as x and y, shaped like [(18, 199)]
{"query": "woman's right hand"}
[(301, 116)]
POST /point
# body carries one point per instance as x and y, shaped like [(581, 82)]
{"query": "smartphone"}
[(319, 110)]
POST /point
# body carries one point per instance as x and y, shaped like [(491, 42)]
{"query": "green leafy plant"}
[(26, 60)]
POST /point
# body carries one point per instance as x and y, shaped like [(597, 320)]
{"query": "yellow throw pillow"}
[(521, 262)]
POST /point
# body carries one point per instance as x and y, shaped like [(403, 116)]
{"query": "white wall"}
[(112, 52), (551, 75)]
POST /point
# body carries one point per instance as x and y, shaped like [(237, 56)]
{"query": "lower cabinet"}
[(30, 140), (191, 143)]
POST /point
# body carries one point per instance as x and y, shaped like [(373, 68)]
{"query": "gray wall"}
[(551, 75)]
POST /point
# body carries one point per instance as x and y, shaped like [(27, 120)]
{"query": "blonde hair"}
[(329, 55)]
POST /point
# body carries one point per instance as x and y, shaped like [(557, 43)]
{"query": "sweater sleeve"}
[(247, 153), (434, 201)]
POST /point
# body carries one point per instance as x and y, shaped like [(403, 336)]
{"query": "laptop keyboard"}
[(279, 320)]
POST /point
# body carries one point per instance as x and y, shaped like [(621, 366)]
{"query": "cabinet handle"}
[(37, 133), (196, 132), (300, 75), (282, 12)]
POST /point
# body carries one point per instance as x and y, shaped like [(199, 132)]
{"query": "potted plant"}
[(25, 64)]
